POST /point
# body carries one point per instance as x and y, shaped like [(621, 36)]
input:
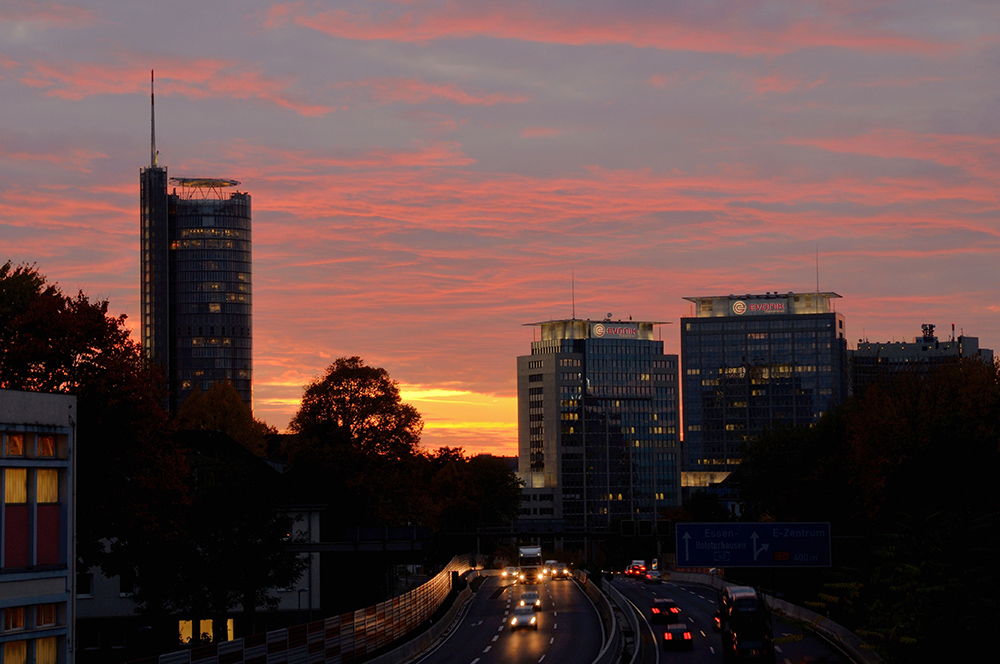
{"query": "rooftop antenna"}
[(152, 123), (817, 268), (572, 281)]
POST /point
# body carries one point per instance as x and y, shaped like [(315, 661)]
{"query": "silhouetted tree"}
[(235, 552), (222, 409), (357, 406), (130, 477), (909, 466)]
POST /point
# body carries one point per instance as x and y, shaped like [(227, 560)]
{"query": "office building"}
[(196, 281), (37, 545), (874, 361), (750, 362), (597, 424)]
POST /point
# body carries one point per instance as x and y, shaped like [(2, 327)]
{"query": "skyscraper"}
[(750, 362), (598, 423), (195, 280)]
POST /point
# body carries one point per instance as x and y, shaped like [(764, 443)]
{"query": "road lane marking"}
[(541, 658), (495, 637), (475, 660), (487, 648), (552, 640)]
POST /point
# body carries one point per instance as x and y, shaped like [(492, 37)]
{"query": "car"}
[(677, 636), (524, 616), (531, 599), (653, 576), (509, 574), (561, 572), (664, 610)]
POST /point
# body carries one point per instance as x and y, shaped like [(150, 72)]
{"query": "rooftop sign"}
[(615, 330), (741, 307)]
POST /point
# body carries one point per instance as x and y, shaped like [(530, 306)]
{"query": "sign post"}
[(753, 544)]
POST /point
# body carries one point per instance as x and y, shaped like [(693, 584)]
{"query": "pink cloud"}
[(730, 32), (197, 79), (541, 132), (979, 155), (50, 14), (414, 91)]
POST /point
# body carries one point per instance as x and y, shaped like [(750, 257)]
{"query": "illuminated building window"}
[(13, 619), (46, 445), (15, 444)]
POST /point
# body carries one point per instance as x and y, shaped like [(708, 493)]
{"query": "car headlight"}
[(513, 621)]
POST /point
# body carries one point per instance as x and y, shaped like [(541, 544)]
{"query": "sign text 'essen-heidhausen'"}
[(753, 544)]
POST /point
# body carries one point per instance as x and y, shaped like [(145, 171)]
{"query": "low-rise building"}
[(37, 550)]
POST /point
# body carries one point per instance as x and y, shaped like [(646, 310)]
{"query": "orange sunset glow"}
[(429, 176)]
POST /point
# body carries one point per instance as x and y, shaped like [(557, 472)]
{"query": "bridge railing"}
[(349, 637)]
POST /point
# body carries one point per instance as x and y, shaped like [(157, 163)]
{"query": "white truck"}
[(530, 564)]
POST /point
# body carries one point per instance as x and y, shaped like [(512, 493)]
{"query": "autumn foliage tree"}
[(221, 408), (128, 472), (907, 468)]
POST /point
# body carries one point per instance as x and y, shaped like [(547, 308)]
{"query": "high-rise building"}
[(196, 281), (750, 362), (875, 360), (597, 424)]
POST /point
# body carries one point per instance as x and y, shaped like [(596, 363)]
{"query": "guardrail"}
[(348, 637), (609, 623), (841, 637), (632, 619)]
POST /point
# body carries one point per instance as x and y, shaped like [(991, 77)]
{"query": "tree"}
[(907, 467), (222, 409), (359, 407), (129, 474), (236, 546), (472, 492)]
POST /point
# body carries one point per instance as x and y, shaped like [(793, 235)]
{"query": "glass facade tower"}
[(196, 283), (751, 362), (598, 422)]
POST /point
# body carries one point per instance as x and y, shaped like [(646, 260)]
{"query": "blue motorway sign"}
[(753, 544)]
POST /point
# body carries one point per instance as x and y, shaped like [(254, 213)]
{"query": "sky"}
[(428, 177)]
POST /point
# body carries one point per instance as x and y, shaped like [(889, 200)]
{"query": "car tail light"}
[(667, 636), (655, 610), (674, 609), (687, 636)]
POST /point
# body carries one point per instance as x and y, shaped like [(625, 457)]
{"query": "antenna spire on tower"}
[(152, 123)]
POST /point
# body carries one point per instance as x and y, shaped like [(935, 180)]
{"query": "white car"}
[(531, 599), (524, 616)]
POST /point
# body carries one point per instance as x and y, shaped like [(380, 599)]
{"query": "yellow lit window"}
[(16, 485), (15, 652), (45, 650), (48, 485)]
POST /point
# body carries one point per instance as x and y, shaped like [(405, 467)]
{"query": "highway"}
[(569, 630), (793, 644)]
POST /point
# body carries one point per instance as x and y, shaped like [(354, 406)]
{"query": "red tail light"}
[(655, 610), (687, 636), (674, 609), (667, 636)]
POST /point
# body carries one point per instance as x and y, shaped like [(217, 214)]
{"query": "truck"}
[(744, 623), (529, 564)]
